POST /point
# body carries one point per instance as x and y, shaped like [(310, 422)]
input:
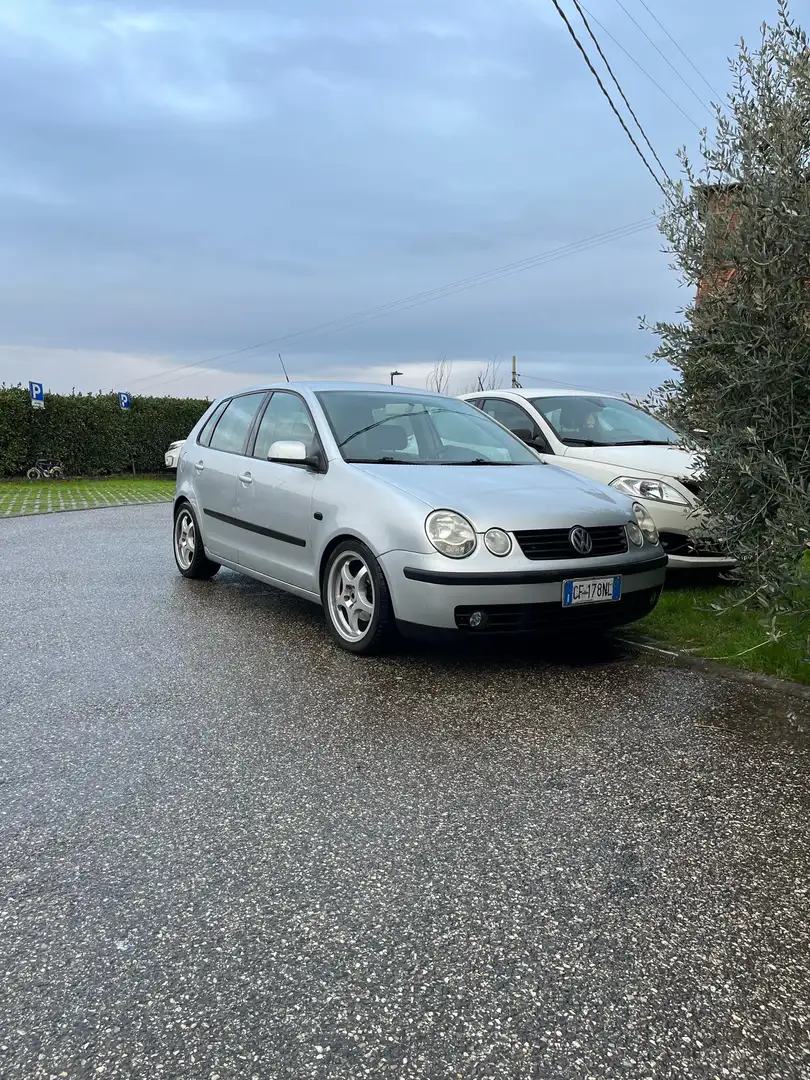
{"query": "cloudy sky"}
[(184, 178)]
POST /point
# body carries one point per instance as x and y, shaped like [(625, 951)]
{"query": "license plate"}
[(598, 590)]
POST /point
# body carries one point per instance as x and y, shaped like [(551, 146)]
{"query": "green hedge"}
[(90, 433)]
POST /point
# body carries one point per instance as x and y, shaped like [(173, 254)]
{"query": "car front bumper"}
[(683, 532), (690, 551), (427, 592)]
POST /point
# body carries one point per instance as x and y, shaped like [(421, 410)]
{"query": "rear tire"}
[(356, 600), (57, 473), (34, 474), (189, 554)]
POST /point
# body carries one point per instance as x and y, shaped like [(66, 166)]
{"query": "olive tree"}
[(738, 227)]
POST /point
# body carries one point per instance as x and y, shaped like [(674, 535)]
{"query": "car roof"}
[(541, 391), (323, 385)]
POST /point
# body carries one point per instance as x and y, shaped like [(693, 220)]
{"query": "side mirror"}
[(289, 452), (532, 439), (522, 433)]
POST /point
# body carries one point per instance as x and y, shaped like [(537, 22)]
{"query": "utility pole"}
[(392, 374), (515, 383)]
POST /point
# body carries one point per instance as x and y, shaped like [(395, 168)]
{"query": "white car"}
[(608, 439), (172, 455)]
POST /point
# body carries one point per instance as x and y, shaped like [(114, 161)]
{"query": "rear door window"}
[(234, 425)]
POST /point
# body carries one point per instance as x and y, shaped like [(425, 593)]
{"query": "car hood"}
[(660, 460), (511, 497)]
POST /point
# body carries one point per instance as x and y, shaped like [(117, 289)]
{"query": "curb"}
[(752, 678)]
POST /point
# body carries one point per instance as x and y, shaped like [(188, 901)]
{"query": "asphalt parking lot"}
[(228, 850)]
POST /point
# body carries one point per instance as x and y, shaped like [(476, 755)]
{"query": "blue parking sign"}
[(37, 392), (124, 399)]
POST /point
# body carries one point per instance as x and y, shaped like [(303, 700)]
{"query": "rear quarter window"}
[(204, 438)]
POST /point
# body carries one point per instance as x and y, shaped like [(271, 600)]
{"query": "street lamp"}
[(393, 373)]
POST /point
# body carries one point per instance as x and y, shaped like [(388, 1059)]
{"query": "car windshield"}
[(598, 421), (418, 429)]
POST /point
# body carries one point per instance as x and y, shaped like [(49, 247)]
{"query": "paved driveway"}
[(227, 850)]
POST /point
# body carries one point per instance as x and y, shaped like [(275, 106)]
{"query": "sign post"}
[(37, 392)]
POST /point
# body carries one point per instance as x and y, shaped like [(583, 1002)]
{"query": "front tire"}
[(34, 474), (356, 600), (189, 554)]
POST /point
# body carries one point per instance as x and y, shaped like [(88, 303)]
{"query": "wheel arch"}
[(335, 542)]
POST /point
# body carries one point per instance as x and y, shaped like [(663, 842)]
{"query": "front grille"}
[(535, 618), (555, 543)]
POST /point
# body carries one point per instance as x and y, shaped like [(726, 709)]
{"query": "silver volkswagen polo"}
[(401, 509)]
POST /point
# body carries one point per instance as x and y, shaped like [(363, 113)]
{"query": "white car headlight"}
[(450, 533), (657, 490), (645, 523)]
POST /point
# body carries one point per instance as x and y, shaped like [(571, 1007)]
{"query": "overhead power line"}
[(602, 87), (394, 305), (665, 58), (619, 88), (417, 299), (683, 54), (641, 68)]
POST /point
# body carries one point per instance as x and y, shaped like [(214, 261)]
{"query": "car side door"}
[(274, 499), (518, 420), (216, 461)]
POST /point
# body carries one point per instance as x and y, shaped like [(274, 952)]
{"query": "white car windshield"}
[(598, 421), (416, 429)]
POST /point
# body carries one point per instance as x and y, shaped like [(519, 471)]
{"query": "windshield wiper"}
[(484, 461), (583, 442), (645, 442), (379, 461), (387, 420)]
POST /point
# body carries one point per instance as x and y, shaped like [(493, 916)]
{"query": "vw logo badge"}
[(581, 540)]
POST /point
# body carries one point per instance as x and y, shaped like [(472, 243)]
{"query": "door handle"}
[(200, 466), (245, 478)]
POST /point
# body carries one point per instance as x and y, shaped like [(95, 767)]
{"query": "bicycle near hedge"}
[(45, 469)]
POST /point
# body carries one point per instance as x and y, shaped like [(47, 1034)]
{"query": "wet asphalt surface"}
[(228, 850)]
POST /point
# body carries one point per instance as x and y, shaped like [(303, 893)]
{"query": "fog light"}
[(478, 620), (498, 542)]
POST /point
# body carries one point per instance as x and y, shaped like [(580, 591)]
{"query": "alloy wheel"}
[(185, 539), (350, 596)]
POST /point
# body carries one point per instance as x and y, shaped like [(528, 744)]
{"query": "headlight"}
[(656, 490), (450, 533), (498, 541), (635, 534), (645, 523)]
